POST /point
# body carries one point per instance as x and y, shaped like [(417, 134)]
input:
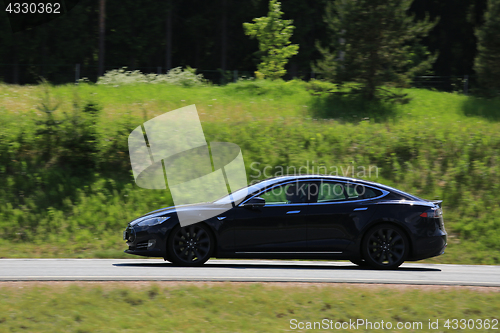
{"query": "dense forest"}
[(154, 36)]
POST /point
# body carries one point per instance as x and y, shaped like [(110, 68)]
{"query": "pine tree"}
[(487, 64), (372, 44), (273, 34)]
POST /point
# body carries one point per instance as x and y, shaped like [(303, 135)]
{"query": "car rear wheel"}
[(385, 247), (191, 245)]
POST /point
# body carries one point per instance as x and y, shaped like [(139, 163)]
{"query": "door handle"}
[(293, 212), (361, 208)]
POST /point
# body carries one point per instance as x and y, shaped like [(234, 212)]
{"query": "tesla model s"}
[(297, 217)]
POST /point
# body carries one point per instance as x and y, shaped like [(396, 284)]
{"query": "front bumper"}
[(146, 253), (144, 242)]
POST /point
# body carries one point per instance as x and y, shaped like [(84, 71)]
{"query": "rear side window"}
[(359, 192), (331, 191)]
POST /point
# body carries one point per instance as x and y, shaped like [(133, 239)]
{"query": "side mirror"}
[(255, 202)]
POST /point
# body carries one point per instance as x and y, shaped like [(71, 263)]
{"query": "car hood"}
[(206, 209)]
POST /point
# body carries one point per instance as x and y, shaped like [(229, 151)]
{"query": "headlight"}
[(153, 221)]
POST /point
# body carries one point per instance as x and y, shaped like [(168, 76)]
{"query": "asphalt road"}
[(243, 270)]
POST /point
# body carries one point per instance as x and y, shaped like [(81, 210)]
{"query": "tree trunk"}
[(102, 27), (44, 57), (371, 85), (15, 57), (223, 59), (168, 32)]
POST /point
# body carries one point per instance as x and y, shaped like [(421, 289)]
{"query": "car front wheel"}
[(385, 247), (191, 245)]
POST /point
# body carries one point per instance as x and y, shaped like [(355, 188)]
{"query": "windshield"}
[(239, 195)]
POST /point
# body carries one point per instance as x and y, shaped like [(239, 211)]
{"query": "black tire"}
[(190, 246), (359, 262), (385, 246)]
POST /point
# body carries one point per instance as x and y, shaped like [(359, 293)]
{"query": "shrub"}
[(267, 87), (176, 76)]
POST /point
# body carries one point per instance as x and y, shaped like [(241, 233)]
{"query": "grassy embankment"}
[(67, 189), (235, 308)]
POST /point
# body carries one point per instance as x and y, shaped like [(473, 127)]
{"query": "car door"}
[(279, 226), (337, 214)]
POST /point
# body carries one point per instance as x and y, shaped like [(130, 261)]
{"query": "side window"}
[(358, 192), (330, 191), (275, 196), (287, 194)]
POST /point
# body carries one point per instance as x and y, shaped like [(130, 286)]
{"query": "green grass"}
[(232, 307), (70, 193)]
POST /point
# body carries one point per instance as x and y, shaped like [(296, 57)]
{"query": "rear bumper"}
[(430, 246)]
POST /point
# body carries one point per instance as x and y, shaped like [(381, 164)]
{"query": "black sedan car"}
[(298, 217)]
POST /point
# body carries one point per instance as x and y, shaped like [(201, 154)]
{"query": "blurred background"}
[(155, 36)]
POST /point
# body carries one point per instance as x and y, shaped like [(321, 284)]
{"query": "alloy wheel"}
[(191, 245), (385, 247)]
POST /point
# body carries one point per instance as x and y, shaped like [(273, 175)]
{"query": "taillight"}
[(432, 213)]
